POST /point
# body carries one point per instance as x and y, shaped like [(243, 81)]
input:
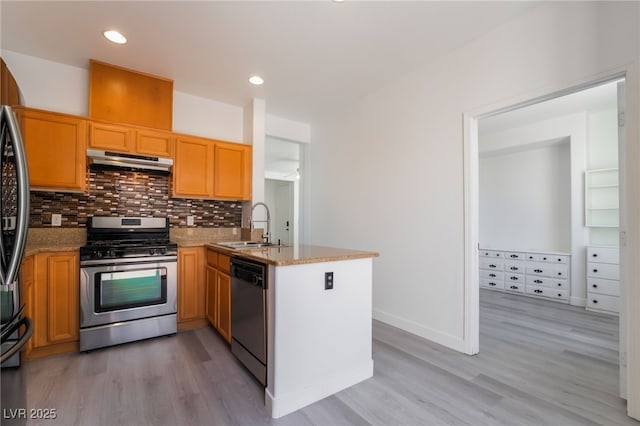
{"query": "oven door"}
[(118, 292)]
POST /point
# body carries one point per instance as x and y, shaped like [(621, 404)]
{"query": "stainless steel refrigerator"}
[(15, 327)]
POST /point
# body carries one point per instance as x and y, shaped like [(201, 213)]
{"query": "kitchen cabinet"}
[(232, 171), (193, 167), (9, 91), (50, 291), (219, 292), (191, 288), (209, 169), (130, 139), (55, 146)]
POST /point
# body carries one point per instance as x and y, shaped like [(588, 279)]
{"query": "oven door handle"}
[(131, 260)]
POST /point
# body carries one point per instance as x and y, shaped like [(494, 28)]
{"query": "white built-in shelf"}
[(601, 198)]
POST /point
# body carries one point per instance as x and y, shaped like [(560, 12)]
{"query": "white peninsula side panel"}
[(319, 340)]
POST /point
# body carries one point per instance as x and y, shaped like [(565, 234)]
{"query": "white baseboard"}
[(454, 342), (577, 301), (281, 405)]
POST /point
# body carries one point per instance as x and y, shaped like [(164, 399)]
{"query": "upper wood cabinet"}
[(210, 169), (56, 146), (193, 167), (130, 139), (232, 171)]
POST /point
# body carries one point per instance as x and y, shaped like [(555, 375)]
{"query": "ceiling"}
[(313, 55), (594, 99)]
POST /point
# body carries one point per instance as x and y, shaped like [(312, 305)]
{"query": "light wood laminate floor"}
[(540, 363)]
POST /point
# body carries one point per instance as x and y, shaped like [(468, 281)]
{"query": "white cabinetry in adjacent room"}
[(603, 279), (534, 274)]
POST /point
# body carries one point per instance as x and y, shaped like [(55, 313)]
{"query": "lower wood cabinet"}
[(191, 288), (219, 292), (50, 291)]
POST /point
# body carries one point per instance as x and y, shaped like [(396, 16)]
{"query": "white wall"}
[(525, 199), (62, 88), (387, 171), (602, 146)]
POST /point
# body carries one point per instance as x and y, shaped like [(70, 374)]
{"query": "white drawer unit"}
[(603, 279), (488, 283), (491, 264), (602, 302), (547, 292), (558, 283), (545, 275)]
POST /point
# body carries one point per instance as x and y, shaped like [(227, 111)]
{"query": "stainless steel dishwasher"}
[(248, 315)]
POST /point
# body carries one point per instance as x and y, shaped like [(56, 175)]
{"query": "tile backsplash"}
[(129, 193)]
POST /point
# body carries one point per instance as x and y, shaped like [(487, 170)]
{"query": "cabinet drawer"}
[(603, 255), (484, 282), (547, 292), (540, 257), (492, 275), (212, 258), (514, 256), (604, 302), (492, 253), (513, 279), (547, 270), (556, 258), (223, 262), (516, 287), (512, 266), (603, 270), (603, 286), (491, 264), (548, 282)]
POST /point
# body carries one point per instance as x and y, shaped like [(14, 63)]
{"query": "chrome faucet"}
[(267, 235)]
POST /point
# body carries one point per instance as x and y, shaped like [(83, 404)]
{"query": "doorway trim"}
[(471, 332)]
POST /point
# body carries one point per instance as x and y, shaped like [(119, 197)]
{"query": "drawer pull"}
[(595, 255), (530, 257), (514, 278), (595, 301), (486, 253), (492, 284), (537, 291), (559, 259), (537, 270), (595, 271), (514, 268), (559, 294), (537, 281), (514, 287), (492, 275), (559, 274), (544, 258), (559, 284), (492, 266), (514, 256), (498, 254), (594, 285)]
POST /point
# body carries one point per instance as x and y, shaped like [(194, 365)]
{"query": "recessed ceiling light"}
[(115, 36), (256, 80)]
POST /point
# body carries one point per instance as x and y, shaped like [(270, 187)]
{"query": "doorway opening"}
[(584, 177), (283, 166)]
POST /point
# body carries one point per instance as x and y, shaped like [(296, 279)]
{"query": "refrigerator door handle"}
[(22, 177)]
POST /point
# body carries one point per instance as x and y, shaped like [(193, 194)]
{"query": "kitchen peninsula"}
[(319, 338)]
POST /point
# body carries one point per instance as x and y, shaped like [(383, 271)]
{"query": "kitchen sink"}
[(245, 244)]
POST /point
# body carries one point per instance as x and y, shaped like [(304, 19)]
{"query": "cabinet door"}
[(158, 144), (224, 306), (193, 167), (56, 147), (110, 137), (211, 309), (232, 171), (191, 297), (63, 291)]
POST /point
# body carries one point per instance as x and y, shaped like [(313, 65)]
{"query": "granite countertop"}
[(42, 240), (296, 255)]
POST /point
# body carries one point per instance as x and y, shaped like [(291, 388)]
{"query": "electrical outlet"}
[(190, 220), (56, 219), (328, 280)]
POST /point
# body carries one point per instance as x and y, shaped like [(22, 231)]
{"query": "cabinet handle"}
[(537, 281), (595, 270), (537, 291), (559, 260), (514, 287), (492, 266), (559, 284), (514, 256), (595, 301), (493, 284), (486, 254), (530, 257), (492, 275), (559, 274), (537, 270), (559, 294), (594, 285), (544, 258), (514, 268), (595, 255), (514, 278), (498, 254)]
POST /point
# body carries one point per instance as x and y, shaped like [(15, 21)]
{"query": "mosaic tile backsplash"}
[(128, 193)]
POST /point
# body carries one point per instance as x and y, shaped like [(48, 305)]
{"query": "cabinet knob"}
[(544, 258), (559, 284), (537, 291), (514, 268), (595, 270), (559, 273), (559, 294), (514, 256), (492, 284), (594, 285), (514, 278), (492, 266), (514, 287), (595, 301), (492, 275), (530, 257), (537, 281), (559, 260), (595, 255), (537, 270)]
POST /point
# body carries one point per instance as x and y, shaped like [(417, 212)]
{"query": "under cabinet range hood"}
[(117, 159)]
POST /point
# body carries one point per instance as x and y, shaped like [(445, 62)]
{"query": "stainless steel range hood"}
[(116, 159)]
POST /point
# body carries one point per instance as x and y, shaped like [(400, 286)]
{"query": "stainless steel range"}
[(128, 281)]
